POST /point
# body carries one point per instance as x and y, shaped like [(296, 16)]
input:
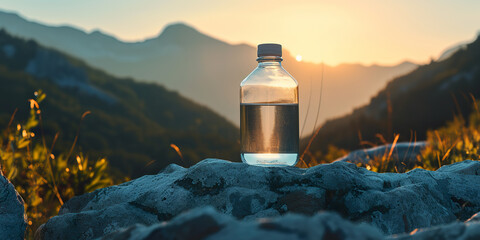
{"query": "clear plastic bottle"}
[(269, 112)]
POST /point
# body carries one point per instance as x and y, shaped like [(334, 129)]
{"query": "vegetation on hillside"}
[(458, 140), (425, 99), (135, 130), (44, 177)]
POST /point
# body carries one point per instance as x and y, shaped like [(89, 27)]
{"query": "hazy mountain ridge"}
[(208, 70), (424, 99), (132, 124)]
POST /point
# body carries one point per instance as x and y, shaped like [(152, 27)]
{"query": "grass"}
[(44, 178), (457, 141)]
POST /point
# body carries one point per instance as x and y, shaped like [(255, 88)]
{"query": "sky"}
[(369, 32)]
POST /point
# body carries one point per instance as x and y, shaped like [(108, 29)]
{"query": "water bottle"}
[(269, 112)]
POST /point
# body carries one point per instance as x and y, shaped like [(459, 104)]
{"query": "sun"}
[(299, 58)]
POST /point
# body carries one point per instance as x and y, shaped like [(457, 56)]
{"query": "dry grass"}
[(459, 140), (45, 180)]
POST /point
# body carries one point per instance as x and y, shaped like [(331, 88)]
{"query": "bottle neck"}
[(264, 61)]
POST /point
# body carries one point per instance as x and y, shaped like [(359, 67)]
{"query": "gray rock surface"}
[(394, 203), (207, 222), (469, 229), (403, 153), (12, 212)]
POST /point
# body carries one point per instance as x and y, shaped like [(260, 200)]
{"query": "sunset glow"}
[(372, 31)]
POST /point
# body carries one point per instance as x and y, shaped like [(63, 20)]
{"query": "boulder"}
[(469, 229), (403, 153), (13, 221), (394, 203), (208, 222)]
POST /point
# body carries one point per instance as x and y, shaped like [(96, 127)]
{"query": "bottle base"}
[(270, 159)]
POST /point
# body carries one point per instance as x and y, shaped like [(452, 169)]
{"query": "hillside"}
[(208, 70), (131, 123), (426, 98)]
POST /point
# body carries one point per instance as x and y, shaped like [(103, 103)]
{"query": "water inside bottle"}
[(269, 133)]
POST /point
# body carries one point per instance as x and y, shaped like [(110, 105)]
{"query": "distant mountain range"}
[(132, 124), (424, 99), (207, 70)]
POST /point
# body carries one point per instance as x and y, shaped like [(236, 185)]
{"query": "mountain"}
[(424, 99), (133, 124), (207, 70), (449, 51)]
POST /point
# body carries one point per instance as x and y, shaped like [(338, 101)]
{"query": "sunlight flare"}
[(177, 149), (299, 58), (79, 161)]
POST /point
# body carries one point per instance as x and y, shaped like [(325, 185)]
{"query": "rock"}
[(13, 222), (469, 229), (206, 222), (467, 167), (394, 203), (404, 154)]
